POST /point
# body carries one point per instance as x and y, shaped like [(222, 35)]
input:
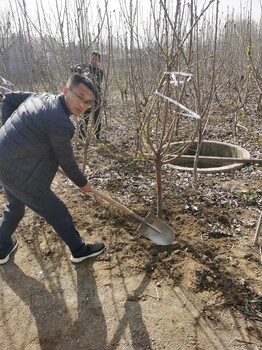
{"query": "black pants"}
[(49, 206), (97, 123)]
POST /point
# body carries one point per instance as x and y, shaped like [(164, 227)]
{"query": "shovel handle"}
[(110, 200), (123, 208)]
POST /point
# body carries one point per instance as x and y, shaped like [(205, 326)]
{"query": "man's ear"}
[(65, 90)]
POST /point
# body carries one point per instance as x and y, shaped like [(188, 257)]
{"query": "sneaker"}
[(88, 251), (5, 253)]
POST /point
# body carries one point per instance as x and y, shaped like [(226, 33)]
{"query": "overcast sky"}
[(226, 6)]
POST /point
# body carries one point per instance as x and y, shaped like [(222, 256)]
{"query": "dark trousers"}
[(97, 123), (49, 206)]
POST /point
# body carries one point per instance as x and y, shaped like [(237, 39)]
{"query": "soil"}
[(202, 292)]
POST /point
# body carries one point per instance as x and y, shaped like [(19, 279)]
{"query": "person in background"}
[(96, 75), (34, 140)]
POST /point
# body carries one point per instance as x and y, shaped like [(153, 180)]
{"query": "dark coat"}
[(35, 140)]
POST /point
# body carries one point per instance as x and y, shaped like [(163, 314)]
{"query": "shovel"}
[(151, 226)]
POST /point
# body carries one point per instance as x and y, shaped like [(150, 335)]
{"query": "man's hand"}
[(87, 187)]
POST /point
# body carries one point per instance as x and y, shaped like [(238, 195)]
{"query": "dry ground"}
[(203, 292)]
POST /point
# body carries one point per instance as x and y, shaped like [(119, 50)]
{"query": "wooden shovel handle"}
[(123, 208), (110, 200)]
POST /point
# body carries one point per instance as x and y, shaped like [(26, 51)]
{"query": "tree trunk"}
[(258, 229), (158, 165)]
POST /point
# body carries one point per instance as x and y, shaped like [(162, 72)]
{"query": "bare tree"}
[(147, 59)]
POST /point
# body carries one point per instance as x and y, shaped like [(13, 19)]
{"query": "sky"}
[(238, 4), (226, 6)]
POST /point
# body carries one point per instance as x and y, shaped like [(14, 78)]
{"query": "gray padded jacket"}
[(34, 140)]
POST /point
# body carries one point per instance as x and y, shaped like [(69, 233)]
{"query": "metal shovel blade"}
[(151, 226), (157, 230)]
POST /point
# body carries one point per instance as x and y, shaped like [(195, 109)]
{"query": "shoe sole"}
[(78, 260), (3, 261)]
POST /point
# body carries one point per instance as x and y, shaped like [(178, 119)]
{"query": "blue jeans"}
[(49, 206)]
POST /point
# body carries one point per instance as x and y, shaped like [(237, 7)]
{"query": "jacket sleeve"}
[(60, 131), (61, 144), (11, 101)]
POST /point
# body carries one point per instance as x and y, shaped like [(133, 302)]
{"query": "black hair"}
[(77, 79), (97, 54)]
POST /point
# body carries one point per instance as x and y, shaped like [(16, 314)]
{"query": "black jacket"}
[(35, 140)]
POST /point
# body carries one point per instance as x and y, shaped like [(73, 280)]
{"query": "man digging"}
[(35, 139)]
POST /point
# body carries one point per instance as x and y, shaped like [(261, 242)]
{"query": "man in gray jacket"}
[(34, 140)]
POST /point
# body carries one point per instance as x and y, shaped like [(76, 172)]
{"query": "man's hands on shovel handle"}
[(87, 187)]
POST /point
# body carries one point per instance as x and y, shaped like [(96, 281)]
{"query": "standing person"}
[(96, 75), (34, 140)]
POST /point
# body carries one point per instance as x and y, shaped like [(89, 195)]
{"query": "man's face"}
[(78, 98), (94, 61)]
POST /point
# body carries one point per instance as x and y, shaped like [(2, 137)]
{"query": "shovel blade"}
[(160, 233)]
